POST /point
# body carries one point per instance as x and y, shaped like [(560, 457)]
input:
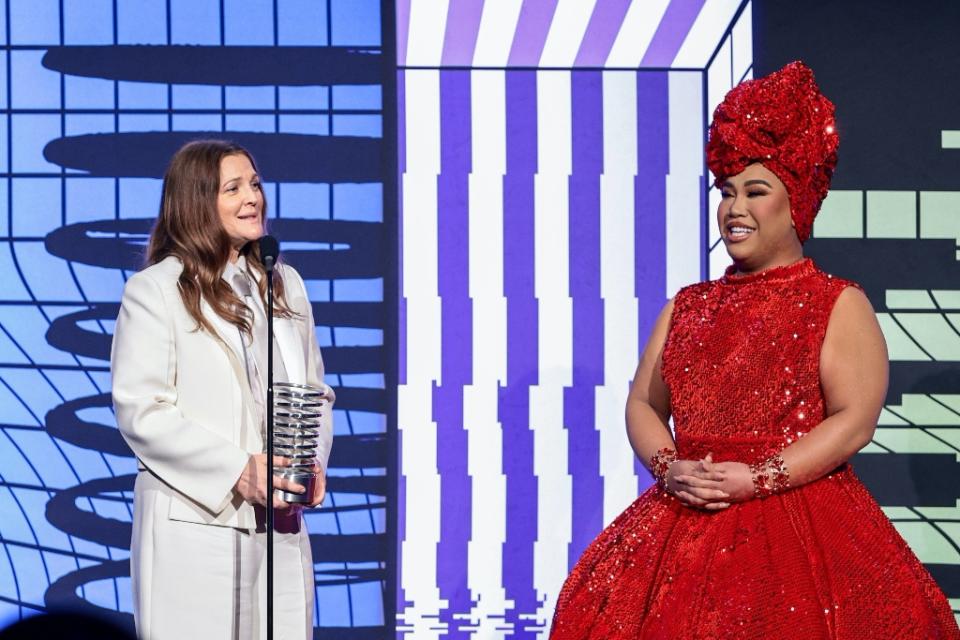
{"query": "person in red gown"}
[(774, 376)]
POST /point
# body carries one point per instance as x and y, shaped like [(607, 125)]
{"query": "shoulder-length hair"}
[(189, 229)]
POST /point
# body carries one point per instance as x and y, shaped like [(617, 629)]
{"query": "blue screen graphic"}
[(96, 95)]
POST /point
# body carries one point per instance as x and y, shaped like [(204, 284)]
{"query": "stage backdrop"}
[(552, 190), (554, 196), (96, 95)]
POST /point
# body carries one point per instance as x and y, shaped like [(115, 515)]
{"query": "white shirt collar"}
[(233, 268)]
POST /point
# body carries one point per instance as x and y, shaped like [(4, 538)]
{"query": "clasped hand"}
[(709, 485), (252, 483)]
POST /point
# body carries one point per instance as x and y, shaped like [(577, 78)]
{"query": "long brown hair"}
[(189, 229)]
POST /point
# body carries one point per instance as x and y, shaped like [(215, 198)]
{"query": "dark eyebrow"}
[(763, 182)]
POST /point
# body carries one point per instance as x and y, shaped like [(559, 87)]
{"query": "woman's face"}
[(755, 222), (240, 202)]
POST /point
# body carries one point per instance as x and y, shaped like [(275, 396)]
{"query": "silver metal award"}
[(297, 411)]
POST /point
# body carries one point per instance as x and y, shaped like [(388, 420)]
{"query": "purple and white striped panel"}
[(566, 34), (536, 253), (546, 216)]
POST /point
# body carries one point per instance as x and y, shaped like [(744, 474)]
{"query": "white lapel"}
[(228, 338), (288, 344), (228, 333), (291, 353)]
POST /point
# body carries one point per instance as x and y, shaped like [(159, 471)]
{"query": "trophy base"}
[(307, 478)]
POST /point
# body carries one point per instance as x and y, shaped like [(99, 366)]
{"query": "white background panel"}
[(620, 122), (428, 24), (701, 41), (685, 181), (489, 505), (554, 495), (636, 32), (495, 37), (566, 32)]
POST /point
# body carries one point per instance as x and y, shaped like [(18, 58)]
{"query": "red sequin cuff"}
[(770, 476), (660, 463)]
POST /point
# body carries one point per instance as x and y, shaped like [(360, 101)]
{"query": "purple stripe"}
[(456, 342), (460, 39), (522, 316), (530, 36), (401, 169), (403, 28), (578, 400), (671, 32), (653, 165), (601, 33)]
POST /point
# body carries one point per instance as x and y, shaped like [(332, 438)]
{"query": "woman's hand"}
[(698, 484), (713, 485), (319, 487), (737, 480), (252, 483)]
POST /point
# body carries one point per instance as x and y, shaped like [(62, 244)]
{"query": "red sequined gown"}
[(818, 561)]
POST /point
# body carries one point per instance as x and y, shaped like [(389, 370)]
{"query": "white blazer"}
[(182, 399)]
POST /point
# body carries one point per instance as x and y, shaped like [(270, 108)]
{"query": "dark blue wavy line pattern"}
[(93, 105)]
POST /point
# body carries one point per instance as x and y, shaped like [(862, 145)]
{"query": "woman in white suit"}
[(188, 365)]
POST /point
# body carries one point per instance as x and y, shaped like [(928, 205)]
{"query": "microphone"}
[(269, 250)]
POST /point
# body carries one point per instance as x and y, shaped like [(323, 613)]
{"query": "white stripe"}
[(428, 25), (685, 181), (418, 549), (498, 23), (554, 143), (566, 32), (551, 248), (620, 341), (489, 507), (636, 32), (617, 222), (617, 287), (414, 399), (489, 121), (620, 122), (743, 43), (551, 224), (422, 122), (555, 331), (554, 496), (719, 80), (704, 36), (486, 278), (488, 135)]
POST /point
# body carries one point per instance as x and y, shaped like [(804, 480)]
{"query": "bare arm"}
[(648, 405), (853, 374)]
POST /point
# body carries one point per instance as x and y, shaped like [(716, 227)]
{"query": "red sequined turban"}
[(783, 122)]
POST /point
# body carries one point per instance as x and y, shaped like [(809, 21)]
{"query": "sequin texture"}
[(785, 123), (819, 561), (660, 464)]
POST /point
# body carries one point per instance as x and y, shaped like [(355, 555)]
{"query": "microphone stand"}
[(268, 263)]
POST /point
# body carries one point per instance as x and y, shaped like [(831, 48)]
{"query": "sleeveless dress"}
[(821, 560)]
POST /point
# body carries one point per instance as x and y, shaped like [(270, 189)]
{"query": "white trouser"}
[(209, 582)]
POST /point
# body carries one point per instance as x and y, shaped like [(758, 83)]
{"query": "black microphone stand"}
[(268, 263)]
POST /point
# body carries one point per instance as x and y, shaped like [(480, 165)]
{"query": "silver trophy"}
[(297, 412)]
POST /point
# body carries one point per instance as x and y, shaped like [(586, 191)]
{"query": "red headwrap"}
[(783, 122)]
